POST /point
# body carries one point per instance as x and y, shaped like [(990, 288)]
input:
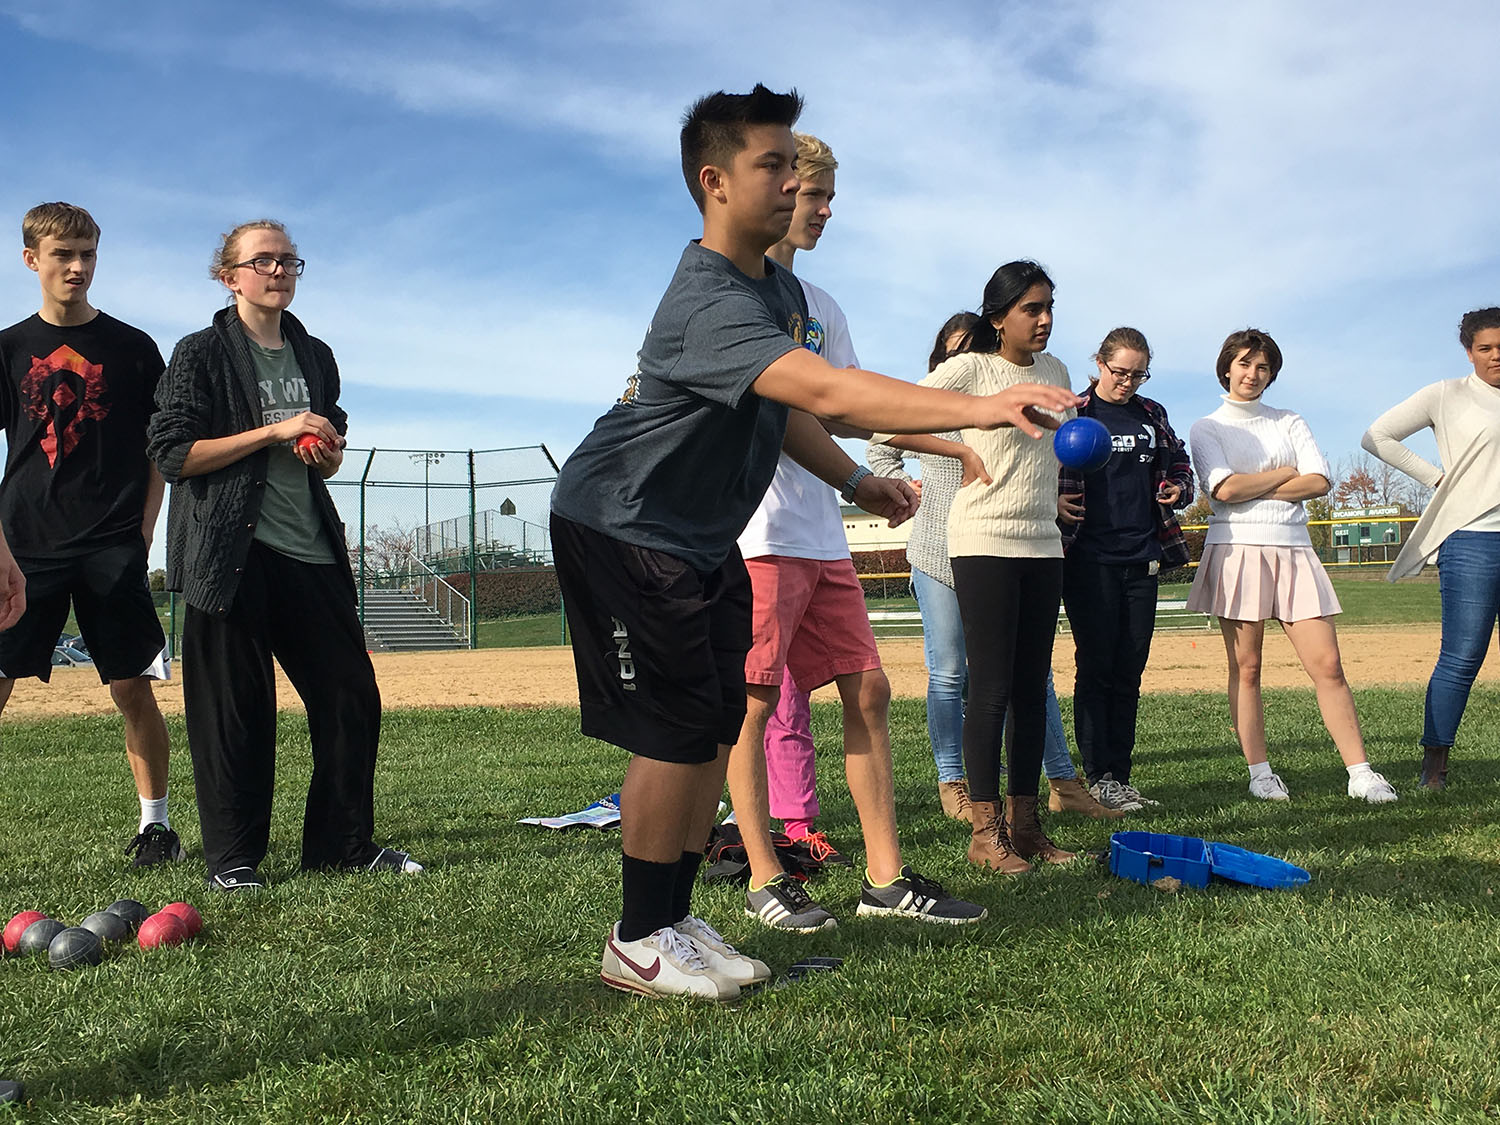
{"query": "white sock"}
[(730, 819), (1358, 769), (154, 811), (1260, 770)]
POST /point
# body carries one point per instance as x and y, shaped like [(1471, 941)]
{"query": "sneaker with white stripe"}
[(915, 896), (782, 904)]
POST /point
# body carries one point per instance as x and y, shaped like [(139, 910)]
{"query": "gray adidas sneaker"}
[(782, 904), (915, 896)]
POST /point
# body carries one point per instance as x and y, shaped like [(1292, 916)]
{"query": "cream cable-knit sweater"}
[(1465, 418), (1015, 516), (1251, 437)]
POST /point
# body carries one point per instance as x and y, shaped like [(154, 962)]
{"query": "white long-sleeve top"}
[(1251, 437), (1464, 415), (1014, 516)]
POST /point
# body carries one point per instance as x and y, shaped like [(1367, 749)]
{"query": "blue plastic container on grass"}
[(1148, 856)]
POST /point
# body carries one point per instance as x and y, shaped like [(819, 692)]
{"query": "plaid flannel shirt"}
[(1172, 464)]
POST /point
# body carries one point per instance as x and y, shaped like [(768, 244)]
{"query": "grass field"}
[(471, 994), (1366, 601)]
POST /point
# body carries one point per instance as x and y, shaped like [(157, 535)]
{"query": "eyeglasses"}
[(266, 267), (1127, 376)]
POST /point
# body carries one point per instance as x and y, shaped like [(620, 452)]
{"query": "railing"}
[(432, 588)]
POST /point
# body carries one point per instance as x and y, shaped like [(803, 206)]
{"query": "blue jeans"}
[(1469, 581), (947, 673)]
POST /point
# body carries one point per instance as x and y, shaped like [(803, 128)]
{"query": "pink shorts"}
[(809, 616), (1251, 582)]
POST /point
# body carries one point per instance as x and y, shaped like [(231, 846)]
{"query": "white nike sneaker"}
[(663, 963), (1373, 788), (722, 957), (1269, 788)]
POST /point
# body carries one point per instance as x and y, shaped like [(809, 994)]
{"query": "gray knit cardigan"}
[(209, 391)]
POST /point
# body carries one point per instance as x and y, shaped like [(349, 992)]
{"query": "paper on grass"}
[(603, 813)]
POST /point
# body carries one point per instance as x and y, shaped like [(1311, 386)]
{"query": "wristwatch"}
[(859, 474)]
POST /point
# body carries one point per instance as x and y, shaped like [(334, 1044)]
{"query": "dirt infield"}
[(544, 676)]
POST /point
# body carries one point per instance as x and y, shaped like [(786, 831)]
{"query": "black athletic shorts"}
[(660, 648), (112, 600)]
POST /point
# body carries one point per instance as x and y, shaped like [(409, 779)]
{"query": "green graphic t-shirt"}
[(289, 519)]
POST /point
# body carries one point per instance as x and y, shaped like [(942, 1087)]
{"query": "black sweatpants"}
[(1009, 612), (304, 615), (1112, 612)]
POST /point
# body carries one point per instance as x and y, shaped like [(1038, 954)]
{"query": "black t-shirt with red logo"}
[(74, 403)]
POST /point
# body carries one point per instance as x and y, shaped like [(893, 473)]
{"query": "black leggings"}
[(1009, 612)]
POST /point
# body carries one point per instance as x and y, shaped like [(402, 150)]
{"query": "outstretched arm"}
[(874, 402)]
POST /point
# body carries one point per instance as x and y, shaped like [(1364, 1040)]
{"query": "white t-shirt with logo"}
[(799, 517)]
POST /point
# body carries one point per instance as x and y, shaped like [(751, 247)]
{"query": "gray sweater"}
[(209, 391)]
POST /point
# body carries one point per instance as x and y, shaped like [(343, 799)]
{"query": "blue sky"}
[(489, 198)]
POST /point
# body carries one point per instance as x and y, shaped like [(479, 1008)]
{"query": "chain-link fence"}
[(464, 531), (461, 532)]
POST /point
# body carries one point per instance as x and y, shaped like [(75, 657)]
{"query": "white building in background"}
[(871, 533)]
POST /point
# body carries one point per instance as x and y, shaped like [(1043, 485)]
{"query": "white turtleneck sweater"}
[(1014, 516), (1251, 437)]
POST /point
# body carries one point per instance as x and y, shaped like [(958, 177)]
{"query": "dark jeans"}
[(1009, 610), (303, 614), (1469, 582), (1112, 612)]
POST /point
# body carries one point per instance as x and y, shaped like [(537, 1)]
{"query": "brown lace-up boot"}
[(1069, 795), (990, 846), (954, 796), (1026, 835)]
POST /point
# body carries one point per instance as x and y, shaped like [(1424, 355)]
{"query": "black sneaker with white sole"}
[(915, 896), (237, 879), (154, 845)]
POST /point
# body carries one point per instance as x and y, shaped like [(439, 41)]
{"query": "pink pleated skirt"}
[(1250, 582)]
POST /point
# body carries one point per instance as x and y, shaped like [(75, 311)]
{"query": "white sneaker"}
[(1112, 795), (722, 957), (1370, 786), (1269, 788), (663, 963)]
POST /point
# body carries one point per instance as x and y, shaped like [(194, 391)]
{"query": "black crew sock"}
[(647, 896), (682, 890)]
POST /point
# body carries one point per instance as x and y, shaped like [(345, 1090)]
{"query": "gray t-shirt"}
[(289, 519), (679, 464)]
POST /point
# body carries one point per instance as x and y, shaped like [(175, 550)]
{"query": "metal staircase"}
[(402, 620)]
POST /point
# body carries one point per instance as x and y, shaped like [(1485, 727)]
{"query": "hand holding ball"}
[(309, 442), (1082, 444)]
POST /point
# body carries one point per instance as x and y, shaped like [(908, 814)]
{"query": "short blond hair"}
[(56, 220), (813, 157), (229, 245)]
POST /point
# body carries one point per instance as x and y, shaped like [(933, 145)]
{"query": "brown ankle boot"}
[(1069, 795), (1026, 835), (955, 798), (990, 846), (1435, 767)]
